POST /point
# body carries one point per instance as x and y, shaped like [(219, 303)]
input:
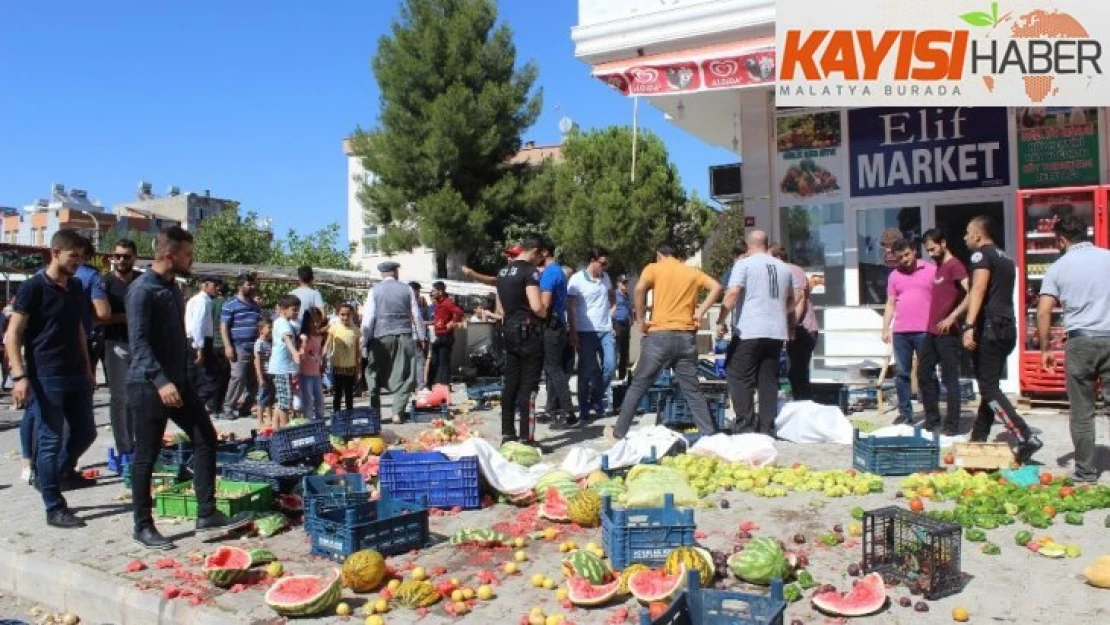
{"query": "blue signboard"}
[(917, 150)]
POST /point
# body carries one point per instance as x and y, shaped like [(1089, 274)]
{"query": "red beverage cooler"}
[(1038, 211)]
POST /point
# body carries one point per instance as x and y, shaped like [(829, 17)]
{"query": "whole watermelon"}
[(762, 560), (520, 453)]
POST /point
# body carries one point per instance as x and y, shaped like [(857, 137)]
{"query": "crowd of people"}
[(230, 357)]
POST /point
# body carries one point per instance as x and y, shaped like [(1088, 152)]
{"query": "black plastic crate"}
[(390, 527), (895, 455), (299, 442), (281, 478), (179, 454), (913, 549), (338, 497), (676, 411), (427, 415), (365, 421)]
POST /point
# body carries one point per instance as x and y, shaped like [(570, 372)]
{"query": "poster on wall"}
[(1057, 147), (894, 150), (809, 159)]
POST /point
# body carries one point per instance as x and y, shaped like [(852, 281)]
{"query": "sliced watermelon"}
[(868, 596), (554, 506), (655, 585), (582, 593)]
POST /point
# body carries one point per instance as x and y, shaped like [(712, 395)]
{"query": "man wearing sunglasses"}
[(117, 353), (590, 298)]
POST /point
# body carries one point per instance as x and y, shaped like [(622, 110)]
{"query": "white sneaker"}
[(25, 475)]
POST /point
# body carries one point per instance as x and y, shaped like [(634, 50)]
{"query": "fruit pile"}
[(443, 432), (708, 475)]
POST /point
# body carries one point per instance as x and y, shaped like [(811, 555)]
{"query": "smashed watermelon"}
[(227, 566), (656, 585), (868, 596), (304, 595), (554, 506), (581, 592)]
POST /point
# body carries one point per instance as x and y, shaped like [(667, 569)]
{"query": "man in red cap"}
[(510, 254)]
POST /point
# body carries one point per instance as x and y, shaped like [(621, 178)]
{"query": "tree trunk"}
[(449, 265)]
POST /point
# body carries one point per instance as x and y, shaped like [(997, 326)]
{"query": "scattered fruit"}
[(548, 583), (419, 574), (949, 459), (485, 592), (537, 580), (510, 568), (916, 505), (374, 619), (520, 556), (468, 594), (905, 602), (960, 615), (274, 569), (343, 610), (561, 595), (855, 529), (381, 606), (461, 608), (853, 570), (921, 606), (550, 533), (555, 619), (457, 596), (393, 584), (518, 542), (799, 539)]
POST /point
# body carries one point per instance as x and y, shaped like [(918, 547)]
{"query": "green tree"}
[(229, 238), (323, 249), (595, 201), (727, 232), (454, 105), (144, 241)]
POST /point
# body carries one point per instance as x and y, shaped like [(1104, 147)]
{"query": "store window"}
[(877, 229), (814, 240)]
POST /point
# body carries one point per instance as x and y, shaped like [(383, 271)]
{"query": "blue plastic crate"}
[(427, 415), (486, 392), (299, 442), (338, 497), (357, 422), (645, 535), (652, 401), (230, 452), (676, 412), (895, 455), (281, 478), (697, 606), (179, 454), (118, 462), (652, 458), (431, 478), (711, 369), (390, 527)]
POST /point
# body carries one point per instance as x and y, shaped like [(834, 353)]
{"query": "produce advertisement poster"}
[(895, 150), (1057, 147), (809, 162)]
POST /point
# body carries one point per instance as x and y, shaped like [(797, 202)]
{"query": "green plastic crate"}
[(162, 476), (231, 499)]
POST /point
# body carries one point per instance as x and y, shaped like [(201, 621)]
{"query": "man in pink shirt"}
[(909, 293)]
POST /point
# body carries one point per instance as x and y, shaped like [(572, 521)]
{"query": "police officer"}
[(1077, 281), (521, 307), (990, 333)]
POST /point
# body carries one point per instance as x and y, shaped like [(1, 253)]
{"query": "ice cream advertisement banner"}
[(954, 53)]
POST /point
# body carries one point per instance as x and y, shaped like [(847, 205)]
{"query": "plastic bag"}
[(649, 483), (810, 422), (758, 450)]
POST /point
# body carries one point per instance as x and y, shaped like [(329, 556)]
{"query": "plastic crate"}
[(117, 462), (645, 535), (483, 393), (653, 399), (908, 547), (179, 454), (281, 478), (239, 497), (230, 452), (427, 415), (711, 369), (431, 478), (698, 606), (676, 412), (298, 442), (390, 527), (652, 458), (161, 476), (895, 455), (356, 422), (328, 495)]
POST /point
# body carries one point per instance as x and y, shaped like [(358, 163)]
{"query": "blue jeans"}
[(597, 361), (906, 344), (62, 401), (312, 397), (27, 429)]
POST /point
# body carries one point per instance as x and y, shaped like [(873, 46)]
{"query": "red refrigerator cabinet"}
[(1038, 211)]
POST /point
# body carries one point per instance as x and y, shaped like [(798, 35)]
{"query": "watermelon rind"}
[(656, 585), (227, 566), (868, 596), (587, 565), (554, 506), (325, 598), (582, 593)]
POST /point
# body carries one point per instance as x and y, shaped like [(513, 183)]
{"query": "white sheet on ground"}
[(810, 422), (504, 476), (758, 450), (907, 430)]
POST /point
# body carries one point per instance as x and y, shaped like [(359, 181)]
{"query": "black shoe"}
[(1026, 450), (219, 523), (565, 423), (150, 538), (536, 445), (64, 519), (510, 439), (902, 420), (543, 417)]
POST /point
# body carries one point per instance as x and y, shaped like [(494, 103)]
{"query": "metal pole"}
[(96, 229), (635, 132)]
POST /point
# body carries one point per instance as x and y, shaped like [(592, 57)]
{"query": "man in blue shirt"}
[(98, 306), (239, 329), (590, 300), (558, 357), (622, 325)]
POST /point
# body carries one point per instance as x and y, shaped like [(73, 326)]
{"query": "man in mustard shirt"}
[(670, 336)]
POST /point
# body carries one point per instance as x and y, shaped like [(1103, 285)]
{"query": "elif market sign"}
[(923, 149), (956, 52)]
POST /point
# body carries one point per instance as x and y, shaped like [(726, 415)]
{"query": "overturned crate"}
[(913, 549)]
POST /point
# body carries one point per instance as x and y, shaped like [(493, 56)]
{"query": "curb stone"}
[(96, 596)]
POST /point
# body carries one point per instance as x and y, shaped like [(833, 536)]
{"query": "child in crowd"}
[(263, 347), (344, 338), (284, 359), (312, 391)]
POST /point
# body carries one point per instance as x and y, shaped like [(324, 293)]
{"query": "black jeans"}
[(945, 350), (117, 360), (800, 351), (658, 351), (523, 365), (623, 330), (996, 340), (343, 391), (1087, 361), (440, 372), (151, 418), (751, 364), (208, 376), (558, 360)]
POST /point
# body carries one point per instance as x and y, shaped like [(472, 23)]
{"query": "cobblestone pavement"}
[(84, 570)]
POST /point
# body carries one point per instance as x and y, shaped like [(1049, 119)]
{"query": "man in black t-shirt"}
[(522, 310), (117, 353), (990, 334)]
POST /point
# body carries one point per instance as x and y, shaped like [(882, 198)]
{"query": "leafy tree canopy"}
[(727, 232)]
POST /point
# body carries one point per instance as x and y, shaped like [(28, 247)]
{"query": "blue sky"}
[(249, 99)]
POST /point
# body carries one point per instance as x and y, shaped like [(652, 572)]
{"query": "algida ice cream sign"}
[(942, 53), (922, 149)]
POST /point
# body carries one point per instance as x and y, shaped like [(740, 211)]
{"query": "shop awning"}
[(724, 66)]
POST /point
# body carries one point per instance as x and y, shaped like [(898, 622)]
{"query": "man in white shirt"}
[(590, 299), (392, 330), (200, 328), (307, 293)]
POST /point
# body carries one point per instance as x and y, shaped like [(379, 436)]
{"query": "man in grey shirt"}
[(765, 286), (1077, 281), (307, 293)]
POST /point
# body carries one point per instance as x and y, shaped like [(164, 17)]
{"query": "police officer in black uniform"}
[(990, 334), (523, 313)]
